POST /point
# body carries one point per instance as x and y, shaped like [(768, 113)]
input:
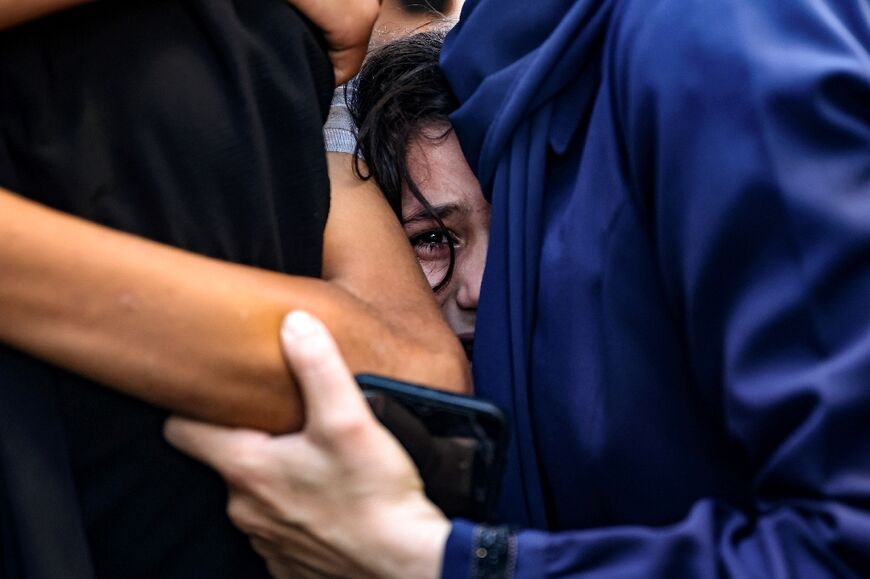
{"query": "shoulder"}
[(713, 45), (678, 45)]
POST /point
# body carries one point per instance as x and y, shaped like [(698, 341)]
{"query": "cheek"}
[(442, 296), (434, 272)]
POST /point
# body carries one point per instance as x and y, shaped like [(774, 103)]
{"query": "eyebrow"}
[(443, 211)]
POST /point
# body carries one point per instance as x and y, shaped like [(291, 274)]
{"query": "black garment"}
[(195, 123)]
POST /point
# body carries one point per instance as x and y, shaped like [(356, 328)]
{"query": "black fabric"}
[(195, 123), (41, 534)]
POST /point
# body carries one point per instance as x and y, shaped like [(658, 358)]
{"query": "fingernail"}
[(298, 324)]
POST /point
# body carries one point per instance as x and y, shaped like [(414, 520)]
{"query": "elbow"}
[(457, 370), (445, 367)]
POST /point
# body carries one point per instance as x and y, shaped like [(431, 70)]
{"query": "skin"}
[(346, 25), (14, 12), (215, 310), (196, 335), (447, 182), (291, 494), (395, 22)]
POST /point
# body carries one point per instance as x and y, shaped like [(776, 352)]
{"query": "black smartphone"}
[(457, 442)]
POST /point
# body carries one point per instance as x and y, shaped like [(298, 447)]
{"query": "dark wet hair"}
[(400, 96)]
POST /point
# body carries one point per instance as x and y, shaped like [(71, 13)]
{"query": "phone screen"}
[(457, 442)]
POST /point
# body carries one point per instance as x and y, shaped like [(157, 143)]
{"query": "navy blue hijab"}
[(674, 308), (533, 93)]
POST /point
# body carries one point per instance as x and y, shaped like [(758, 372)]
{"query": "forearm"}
[(14, 12), (196, 335)]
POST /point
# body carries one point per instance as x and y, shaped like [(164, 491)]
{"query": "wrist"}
[(426, 553), (430, 551), (415, 548)]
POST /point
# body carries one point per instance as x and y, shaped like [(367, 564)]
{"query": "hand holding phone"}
[(457, 442)]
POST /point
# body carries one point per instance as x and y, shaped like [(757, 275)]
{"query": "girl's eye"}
[(432, 248), (430, 245)]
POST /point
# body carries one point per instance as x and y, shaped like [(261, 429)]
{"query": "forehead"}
[(440, 171), (395, 21)]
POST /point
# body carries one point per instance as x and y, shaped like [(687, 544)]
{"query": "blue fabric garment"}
[(676, 306)]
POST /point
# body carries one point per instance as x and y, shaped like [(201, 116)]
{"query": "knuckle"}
[(265, 547), (245, 467), (342, 427), (246, 517)]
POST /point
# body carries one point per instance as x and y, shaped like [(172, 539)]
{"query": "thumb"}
[(325, 382)]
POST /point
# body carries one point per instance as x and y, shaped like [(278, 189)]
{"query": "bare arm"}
[(364, 242), (346, 24), (200, 336), (14, 12)]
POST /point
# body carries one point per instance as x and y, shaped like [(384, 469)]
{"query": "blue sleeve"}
[(458, 554), (745, 128)]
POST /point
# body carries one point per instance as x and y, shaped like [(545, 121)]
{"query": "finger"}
[(289, 568), (347, 62), (281, 565), (327, 386), (217, 446), (300, 549), (251, 518)]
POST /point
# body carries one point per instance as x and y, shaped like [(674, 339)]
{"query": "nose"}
[(471, 276)]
